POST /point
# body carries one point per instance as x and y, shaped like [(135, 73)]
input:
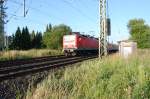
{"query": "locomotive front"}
[(69, 44)]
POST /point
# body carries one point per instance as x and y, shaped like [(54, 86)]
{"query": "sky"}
[(81, 15)]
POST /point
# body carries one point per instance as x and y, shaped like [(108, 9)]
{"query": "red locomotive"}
[(77, 44)]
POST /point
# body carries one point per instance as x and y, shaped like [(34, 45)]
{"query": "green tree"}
[(46, 36), (140, 32), (48, 28), (53, 39), (32, 35), (57, 33), (12, 43), (17, 39), (46, 40), (33, 42), (38, 40), (26, 40)]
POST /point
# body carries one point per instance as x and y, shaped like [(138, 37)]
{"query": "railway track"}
[(13, 69), (27, 61)]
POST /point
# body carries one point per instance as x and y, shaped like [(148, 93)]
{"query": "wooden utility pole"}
[(103, 30)]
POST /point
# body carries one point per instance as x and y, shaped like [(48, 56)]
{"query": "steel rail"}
[(13, 72), (34, 65), (27, 61)]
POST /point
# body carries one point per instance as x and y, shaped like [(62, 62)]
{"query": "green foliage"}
[(48, 28), (26, 40), (140, 32), (32, 35), (46, 39), (16, 38), (38, 40), (53, 37), (11, 42)]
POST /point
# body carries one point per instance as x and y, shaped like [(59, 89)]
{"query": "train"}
[(78, 44)]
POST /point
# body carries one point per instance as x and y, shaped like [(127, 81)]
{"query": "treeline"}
[(51, 38), (23, 40), (140, 32)]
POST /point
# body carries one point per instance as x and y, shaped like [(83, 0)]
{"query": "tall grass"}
[(11, 55), (110, 78)]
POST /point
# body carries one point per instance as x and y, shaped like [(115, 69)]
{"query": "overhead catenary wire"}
[(72, 6), (27, 19), (78, 10), (83, 13), (38, 10), (56, 17), (19, 18), (84, 4), (58, 9), (12, 15)]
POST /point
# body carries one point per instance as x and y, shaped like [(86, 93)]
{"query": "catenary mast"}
[(103, 29)]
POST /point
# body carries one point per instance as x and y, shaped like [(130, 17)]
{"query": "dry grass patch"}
[(11, 55)]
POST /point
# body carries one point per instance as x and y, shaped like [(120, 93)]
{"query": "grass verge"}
[(110, 78)]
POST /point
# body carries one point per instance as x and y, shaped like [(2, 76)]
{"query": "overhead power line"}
[(78, 10), (13, 15), (56, 17), (28, 19), (38, 10)]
